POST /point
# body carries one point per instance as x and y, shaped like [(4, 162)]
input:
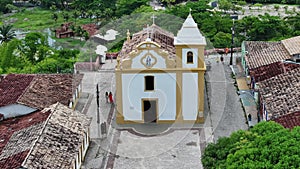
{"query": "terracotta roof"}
[(292, 45), (91, 28), (48, 89), (289, 120), (54, 133), (281, 93), (258, 45), (12, 87), (60, 141), (264, 53), (17, 136), (163, 38)]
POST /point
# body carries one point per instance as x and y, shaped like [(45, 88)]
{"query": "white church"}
[(160, 78)]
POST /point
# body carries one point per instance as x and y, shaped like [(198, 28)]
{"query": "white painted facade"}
[(177, 91), (133, 92), (137, 62), (189, 96)]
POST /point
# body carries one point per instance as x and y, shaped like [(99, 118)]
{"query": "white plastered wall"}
[(133, 93), (189, 96), (136, 62)]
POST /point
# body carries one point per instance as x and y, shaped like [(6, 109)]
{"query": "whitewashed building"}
[(160, 78)]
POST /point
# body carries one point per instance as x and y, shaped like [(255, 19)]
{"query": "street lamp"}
[(232, 41)]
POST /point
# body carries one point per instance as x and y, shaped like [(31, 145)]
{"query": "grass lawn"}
[(38, 19)]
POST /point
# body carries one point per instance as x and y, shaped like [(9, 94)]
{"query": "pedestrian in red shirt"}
[(110, 96)]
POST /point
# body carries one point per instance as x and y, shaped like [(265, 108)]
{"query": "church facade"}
[(160, 78)]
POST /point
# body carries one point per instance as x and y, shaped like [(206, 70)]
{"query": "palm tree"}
[(6, 33)]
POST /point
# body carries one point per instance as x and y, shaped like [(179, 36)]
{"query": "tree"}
[(85, 35), (3, 5), (66, 16), (169, 2), (126, 7), (75, 15), (35, 47), (276, 7), (225, 5), (55, 17), (8, 57), (266, 145), (294, 23), (222, 40), (6, 33), (90, 14)]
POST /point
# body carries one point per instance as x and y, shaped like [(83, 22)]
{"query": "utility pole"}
[(97, 92), (232, 42)]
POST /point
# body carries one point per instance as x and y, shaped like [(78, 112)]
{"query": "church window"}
[(189, 57), (149, 83)]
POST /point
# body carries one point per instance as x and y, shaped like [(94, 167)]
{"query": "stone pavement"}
[(161, 145), (246, 95), (226, 113)]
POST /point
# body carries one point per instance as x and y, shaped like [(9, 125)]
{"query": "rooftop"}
[(17, 136), (42, 139), (292, 45), (189, 33), (264, 53), (163, 38), (60, 140), (38, 91), (281, 93), (289, 120), (12, 87)]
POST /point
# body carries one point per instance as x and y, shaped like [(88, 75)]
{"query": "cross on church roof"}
[(153, 19), (190, 11)]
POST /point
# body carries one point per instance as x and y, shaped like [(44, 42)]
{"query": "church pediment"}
[(148, 55)]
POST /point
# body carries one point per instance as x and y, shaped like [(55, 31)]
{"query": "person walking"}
[(222, 59), (111, 98), (249, 117), (106, 97)]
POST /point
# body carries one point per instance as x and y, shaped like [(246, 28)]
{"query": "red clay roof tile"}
[(10, 156), (12, 87)]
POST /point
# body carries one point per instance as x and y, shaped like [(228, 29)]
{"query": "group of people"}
[(109, 97)]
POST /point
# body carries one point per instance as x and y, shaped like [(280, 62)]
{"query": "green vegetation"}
[(39, 19), (33, 55), (266, 145), (134, 15), (6, 33)]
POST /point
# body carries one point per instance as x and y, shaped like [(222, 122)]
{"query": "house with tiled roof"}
[(56, 137), (63, 141), (280, 98), (35, 92), (17, 136), (292, 45), (24, 120), (262, 60)]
